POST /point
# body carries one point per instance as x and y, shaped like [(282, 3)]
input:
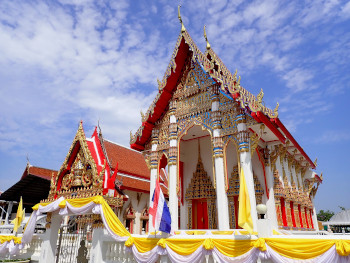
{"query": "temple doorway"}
[(197, 172)]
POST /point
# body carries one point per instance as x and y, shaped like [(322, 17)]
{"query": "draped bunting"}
[(224, 248)]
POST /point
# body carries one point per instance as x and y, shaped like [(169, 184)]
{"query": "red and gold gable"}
[(85, 171)]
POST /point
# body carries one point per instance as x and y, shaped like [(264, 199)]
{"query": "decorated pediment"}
[(80, 173)]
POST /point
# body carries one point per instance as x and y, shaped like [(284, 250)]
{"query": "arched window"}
[(129, 218), (144, 220)]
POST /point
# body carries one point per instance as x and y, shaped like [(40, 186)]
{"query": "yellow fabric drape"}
[(144, 244), (112, 220), (244, 217), (233, 248), (36, 207), (184, 246), (343, 247), (16, 240), (300, 248)]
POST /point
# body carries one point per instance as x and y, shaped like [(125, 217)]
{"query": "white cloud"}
[(332, 136)]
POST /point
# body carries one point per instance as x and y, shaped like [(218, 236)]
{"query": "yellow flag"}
[(19, 216), (244, 217)]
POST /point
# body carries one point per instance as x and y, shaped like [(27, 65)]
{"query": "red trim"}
[(307, 221), (235, 202), (292, 214), (312, 223), (166, 94), (290, 137), (300, 217), (263, 166), (283, 208)]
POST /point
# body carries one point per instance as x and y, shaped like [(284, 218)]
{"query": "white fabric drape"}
[(329, 256), (3, 248), (251, 256), (196, 256), (147, 257)]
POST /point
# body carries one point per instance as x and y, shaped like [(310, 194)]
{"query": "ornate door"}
[(200, 214)]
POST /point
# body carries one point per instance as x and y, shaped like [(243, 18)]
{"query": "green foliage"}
[(324, 215), (342, 208)]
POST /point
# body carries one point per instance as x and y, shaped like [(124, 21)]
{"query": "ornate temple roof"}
[(185, 49)]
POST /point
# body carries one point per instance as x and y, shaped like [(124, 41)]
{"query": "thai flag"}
[(159, 210)]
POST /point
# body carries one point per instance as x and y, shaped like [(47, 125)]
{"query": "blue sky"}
[(66, 61)]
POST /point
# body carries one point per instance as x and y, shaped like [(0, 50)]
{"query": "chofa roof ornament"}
[(183, 29)]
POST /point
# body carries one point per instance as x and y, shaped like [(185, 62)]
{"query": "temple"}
[(203, 126), (213, 140)]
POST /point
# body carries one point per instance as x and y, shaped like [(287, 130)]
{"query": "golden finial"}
[(131, 136), (142, 114), (260, 96), (206, 38), (315, 162), (275, 111), (238, 81), (235, 76), (183, 29), (321, 176)]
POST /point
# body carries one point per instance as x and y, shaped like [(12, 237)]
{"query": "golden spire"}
[(183, 29), (206, 38)]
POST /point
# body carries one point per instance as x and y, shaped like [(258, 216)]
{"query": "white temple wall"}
[(300, 180), (138, 206), (279, 168), (259, 173), (295, 177), (231, 158)]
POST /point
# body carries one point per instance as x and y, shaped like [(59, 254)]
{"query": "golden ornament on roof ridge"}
[(206, 38), (183, 29)]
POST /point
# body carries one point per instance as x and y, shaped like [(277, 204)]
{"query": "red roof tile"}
[(39, 172), (129, 161), (134, 184)]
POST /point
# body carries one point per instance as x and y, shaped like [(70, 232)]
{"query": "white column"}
[(173, 173), (173, 199), (49, 244), (270, 204), (152, 186), (246, 164), (221, 196)]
